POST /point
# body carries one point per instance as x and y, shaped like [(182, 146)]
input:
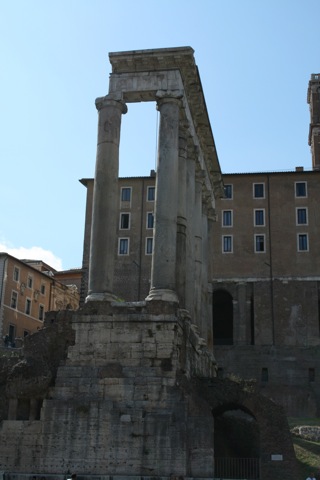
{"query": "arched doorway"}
[(236, 443), (222, 317)]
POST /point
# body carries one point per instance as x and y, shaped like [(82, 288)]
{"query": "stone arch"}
[(236, 437), (222, 317), (276, 452)]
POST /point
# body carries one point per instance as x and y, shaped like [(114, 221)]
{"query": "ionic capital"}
[(168, 96), (111, 101)]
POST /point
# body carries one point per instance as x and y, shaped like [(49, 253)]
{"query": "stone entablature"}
[(141, 73)]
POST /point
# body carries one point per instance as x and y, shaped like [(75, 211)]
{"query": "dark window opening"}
[(222, 310), (124, 223), (123, 246), (151, 194), (126, 194), (259, 217), (227, 218), (302, 216), (260, 247), (150, 220), (301, 189), (258, 190), (12, 334), (149, 246), (303, 242), (14, 300), (228, 191), (227, 244)]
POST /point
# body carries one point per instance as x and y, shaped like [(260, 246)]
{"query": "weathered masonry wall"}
[(117, 406)]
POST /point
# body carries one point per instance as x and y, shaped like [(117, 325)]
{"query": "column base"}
[(101, 297), (162, 294)]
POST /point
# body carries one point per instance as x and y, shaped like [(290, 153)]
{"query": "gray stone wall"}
[(117, 406)]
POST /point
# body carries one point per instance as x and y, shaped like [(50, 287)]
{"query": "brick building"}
[(28, 289)]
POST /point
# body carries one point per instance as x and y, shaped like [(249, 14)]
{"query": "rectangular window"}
[(228, 191), (43, 289), (16, 274), (123, 248), (151, 194), (41, 312), (125, 194), (14, 299), (149, 245), (227, 218), (30, 281), (258, 190), (150, 219), (12, 334), (302, 216), (301, 189), (227, 244), (28, 306), (259, 243), (124, 221), (259, 218), (303, 242)]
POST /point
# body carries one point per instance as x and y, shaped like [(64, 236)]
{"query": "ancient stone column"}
[(163, 270), (198, 248), (105, 198), (204, 267), (182, 219), (190, 271), (211, 220)]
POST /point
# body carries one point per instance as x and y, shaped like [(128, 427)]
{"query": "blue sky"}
[(255, 59)]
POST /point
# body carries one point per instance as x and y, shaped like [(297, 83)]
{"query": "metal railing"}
[(237, 468)]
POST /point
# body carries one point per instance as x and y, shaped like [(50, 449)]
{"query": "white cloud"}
[(33, 253)]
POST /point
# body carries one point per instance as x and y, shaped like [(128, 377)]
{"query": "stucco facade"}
[(26, 294)]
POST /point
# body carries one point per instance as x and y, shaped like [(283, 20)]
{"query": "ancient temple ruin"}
[(137, 394)]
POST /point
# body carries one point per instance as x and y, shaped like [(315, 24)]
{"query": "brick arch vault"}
[(276, 452)]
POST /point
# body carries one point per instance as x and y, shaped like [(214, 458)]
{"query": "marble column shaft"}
[(190, 270), (182, 219), (204, 273), (211, 218), (163, 272), (198, 247), (105, 198)]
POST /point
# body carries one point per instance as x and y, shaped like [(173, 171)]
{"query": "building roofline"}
[(85, 181), (24, 262), (273, 172)]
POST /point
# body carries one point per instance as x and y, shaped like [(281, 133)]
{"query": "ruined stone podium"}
[(123, 403)]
